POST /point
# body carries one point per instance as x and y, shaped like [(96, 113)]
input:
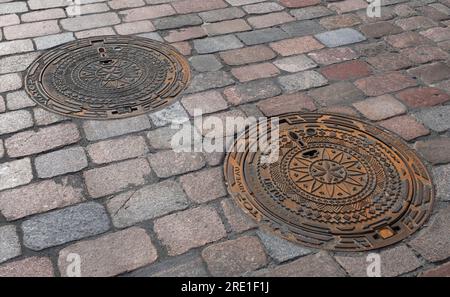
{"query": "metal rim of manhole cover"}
[(339, 183), (108, 77)]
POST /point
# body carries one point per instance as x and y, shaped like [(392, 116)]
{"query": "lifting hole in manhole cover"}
[(107, 77), (338, 183)]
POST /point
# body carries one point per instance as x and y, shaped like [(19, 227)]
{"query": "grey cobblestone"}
[(66, 225), (216, 44), (97, 130), (15, 173), (9, 243), (14, 121), (61, 162)]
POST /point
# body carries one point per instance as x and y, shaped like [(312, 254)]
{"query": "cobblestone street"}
[(116, 194)]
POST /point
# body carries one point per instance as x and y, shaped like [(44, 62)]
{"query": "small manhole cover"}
[(107, 77), (338, 183)]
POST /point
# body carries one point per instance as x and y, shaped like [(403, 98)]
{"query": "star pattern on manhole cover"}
[(338, 183), (108, 77)]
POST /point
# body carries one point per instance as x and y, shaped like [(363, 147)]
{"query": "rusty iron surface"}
[(338, 184), (107, 77)]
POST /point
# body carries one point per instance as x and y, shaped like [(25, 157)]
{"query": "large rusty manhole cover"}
[(107, 77), (338, 183)]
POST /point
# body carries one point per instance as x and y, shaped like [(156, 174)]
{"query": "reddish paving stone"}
[(333, 55), (406, 39), (344, 110), (252, 72), (117, 149), (298, 3), (340, 21), (251, 91), (28, 267), (117, 177), (320, 264), (270, 20), (437, 34), (423, 96), (134, 27), (183, 47), (431, 73), (415, 22), (439, 271), (295, 46), (149, 12), (170, 163), (348, 5), (434, 150), (111, 254), (385, 83), (380, 108), (188, 6), (394, 262), (207, 102), (346, 71), (188, 229), (226, 27), (237, 219), (235, 257), (405, 126), (390, 61), (424, 54), (40, 197), (44, 139), (204, 186), (286, 103), (247, 55), (376, 30)]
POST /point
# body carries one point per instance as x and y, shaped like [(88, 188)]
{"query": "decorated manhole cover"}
[(107, 77), (338, 183)]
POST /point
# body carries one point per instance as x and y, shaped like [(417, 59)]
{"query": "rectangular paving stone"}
[(406, 126), (394, 262), (380, 108), (302, 81), (340, 21), (90, 21), (262, 36), (41, 197), (286, 103), (117, 177), (302, 28), (188, 6), (148, 12), (435, 151), (333, 55), (178, 21), (207, 102), (43, 117), (340, 37), (9, 19), (346, 71), (202, 186), (31, 30), (17, 63), (174, 114), (111, 254), (251, 91), (10, 82), (347, 6), (262, 8), (185, 34), (119, 4), (170, 163), (247, 55), (95, 32), (217, 44), (295, 46), (98, 130), (320, 264), (221, 14), (13, 7), (226, 27), (440, 173), (74, 11), (423, 97), (235, 257), (299, 3), (14, 121), (280, 249), (384, 83), (134, 27), (9, 243), (18, 100), (65, 225), (205, 63), (189, 229), (436, 118), (42, 4), (255, 71), (431, 73), (28, 267), (209, 80), (117, 149), (270, 20), (49, 41), (406, 39), (61, 162), (44, 139), (338, 93), (42, 15), (312, 12), (380, 29), (16, 46), (15, 173), (146, 203), (235, 216)]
